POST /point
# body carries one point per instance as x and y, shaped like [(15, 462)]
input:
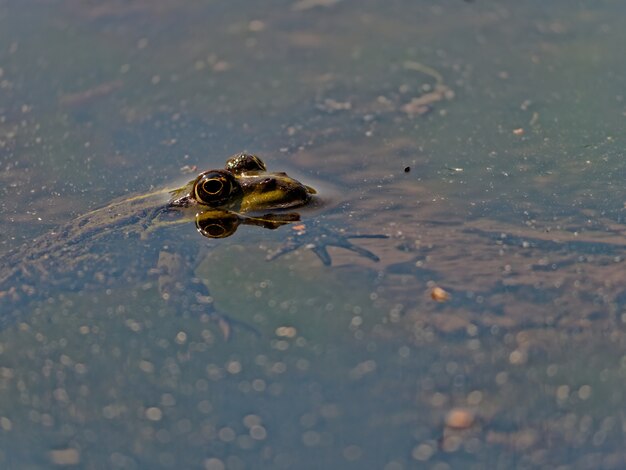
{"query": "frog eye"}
[(244, 163), (215, 188)]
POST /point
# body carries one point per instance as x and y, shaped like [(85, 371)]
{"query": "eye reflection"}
[(217, 224), (221, 224)]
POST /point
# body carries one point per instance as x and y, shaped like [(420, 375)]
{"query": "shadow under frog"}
[(110, 244)]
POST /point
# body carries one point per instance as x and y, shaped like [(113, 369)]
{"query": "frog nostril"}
[(268, 184)]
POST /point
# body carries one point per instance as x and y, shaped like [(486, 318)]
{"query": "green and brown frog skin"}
[(112, 243)]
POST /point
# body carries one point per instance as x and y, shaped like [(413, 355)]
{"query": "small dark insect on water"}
[(407, 169)]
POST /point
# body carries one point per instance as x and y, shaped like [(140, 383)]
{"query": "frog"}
[(218, 201)]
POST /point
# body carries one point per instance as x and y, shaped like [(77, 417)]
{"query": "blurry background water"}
[(486, 138)]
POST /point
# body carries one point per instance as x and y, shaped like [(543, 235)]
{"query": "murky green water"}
[(485, 138)]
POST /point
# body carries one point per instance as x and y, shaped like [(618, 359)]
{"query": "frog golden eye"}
[(212, 186), (215, 188)]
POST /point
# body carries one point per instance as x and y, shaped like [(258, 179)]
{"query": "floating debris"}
[(78, 99), (188, 169), (286, 331), (423, 104), (330, 106), (454, 169), (303, 5), (439, 295)]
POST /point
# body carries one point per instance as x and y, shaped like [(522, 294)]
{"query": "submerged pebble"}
[(439, 295), (460, 418), (64, 457)]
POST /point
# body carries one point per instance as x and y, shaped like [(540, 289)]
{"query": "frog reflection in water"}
[(97, 248)]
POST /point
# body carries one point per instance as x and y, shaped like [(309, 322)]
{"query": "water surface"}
[(485, 138)]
